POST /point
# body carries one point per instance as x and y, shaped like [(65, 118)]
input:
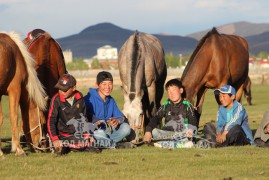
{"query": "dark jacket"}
[(61, 112), (182, 111)]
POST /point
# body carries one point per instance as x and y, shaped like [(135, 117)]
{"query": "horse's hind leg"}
[(1, 123), (13, 108)]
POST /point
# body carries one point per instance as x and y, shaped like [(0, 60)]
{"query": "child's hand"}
[(222, 137), (58, 145), (189, 133), (147, 137), (113, 122)]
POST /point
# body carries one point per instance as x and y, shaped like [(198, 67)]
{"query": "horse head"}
[(133, 110)]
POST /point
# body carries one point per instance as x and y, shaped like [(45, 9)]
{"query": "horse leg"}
[(13, 107), (152, 102), (199, 102), (239, 93), (1, 123)]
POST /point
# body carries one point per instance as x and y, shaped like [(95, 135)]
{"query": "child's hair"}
[(174, 82)]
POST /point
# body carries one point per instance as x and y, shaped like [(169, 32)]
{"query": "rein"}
[(41, 138)]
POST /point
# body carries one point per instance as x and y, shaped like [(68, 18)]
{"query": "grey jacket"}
[(260, 133)]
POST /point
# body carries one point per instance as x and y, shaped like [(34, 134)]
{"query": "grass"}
[(247, 162)]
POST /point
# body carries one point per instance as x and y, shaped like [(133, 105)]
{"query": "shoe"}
[(158, 145), (93, 150), (125, 145)]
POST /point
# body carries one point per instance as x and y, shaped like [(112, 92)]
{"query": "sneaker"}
[(125, 145)]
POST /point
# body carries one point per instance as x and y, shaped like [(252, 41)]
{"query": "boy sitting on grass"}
[(232, 121), (179, 120)]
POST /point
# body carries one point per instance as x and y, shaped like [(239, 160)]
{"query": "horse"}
[(218, 59), (247, 91), (143, 72), (50, 64), (18, 80)]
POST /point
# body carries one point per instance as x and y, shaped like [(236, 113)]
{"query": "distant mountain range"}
[(86, 43)]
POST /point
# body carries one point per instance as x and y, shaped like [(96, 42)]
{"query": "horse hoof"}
[(21, 153)]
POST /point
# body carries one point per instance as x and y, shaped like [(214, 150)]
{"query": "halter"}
[(41, 137)]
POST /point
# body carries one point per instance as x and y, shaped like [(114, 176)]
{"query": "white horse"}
[(143, 72)]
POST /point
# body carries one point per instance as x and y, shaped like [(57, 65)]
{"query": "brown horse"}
[(18, 80), (49, 59), (143, 72), (247, 91), (50, 64), (217, 60)]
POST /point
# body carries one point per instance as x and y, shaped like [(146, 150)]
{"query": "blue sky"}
[(67, 17)]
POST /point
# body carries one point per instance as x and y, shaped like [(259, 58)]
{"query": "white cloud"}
[(66, 17)]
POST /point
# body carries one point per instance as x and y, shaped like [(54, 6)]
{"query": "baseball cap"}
[(66, 82), (226, 89), (103, 76)]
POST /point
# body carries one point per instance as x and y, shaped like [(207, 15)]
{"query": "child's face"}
[(105, 88), (174, 93), (226, 100), (68, 93)]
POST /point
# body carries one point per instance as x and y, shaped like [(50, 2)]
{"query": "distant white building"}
[(107, 53), (68, 56)]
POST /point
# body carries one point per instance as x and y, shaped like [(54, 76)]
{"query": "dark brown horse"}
[(49, 59), (18, 80), (143, 72), (217, 60), (247, 91), (50, 64)]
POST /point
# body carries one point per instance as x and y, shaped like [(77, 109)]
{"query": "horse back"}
[(11, 59), (141, 58)]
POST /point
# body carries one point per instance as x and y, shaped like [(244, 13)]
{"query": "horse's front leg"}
[(152, 95), (13, 108), (1, 123)]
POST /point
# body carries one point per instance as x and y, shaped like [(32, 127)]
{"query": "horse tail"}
[(34, 87), (135, 56)]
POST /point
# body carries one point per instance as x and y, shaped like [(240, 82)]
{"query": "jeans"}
[(157, 133), (116, 135), (169, 142)]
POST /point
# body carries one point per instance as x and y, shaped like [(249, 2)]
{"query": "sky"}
[(63, 18)]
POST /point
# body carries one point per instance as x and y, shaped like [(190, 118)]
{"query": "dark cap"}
[(103, 76), (66, 82)]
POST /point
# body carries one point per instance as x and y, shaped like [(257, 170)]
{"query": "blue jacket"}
[(239, 117), (97, 109)]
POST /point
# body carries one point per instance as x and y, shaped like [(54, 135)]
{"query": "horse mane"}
[(198, 47), (134, 57), (34, 87)]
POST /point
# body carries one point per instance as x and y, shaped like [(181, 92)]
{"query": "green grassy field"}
[(247, 162)]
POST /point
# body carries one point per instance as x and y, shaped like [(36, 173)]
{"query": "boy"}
[(262, 134), (232, 121), (67, 110), (179, 118), (101, 107)]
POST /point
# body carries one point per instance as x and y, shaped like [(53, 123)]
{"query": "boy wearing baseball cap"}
[(67, 110), (101, 107), (232, 121)]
